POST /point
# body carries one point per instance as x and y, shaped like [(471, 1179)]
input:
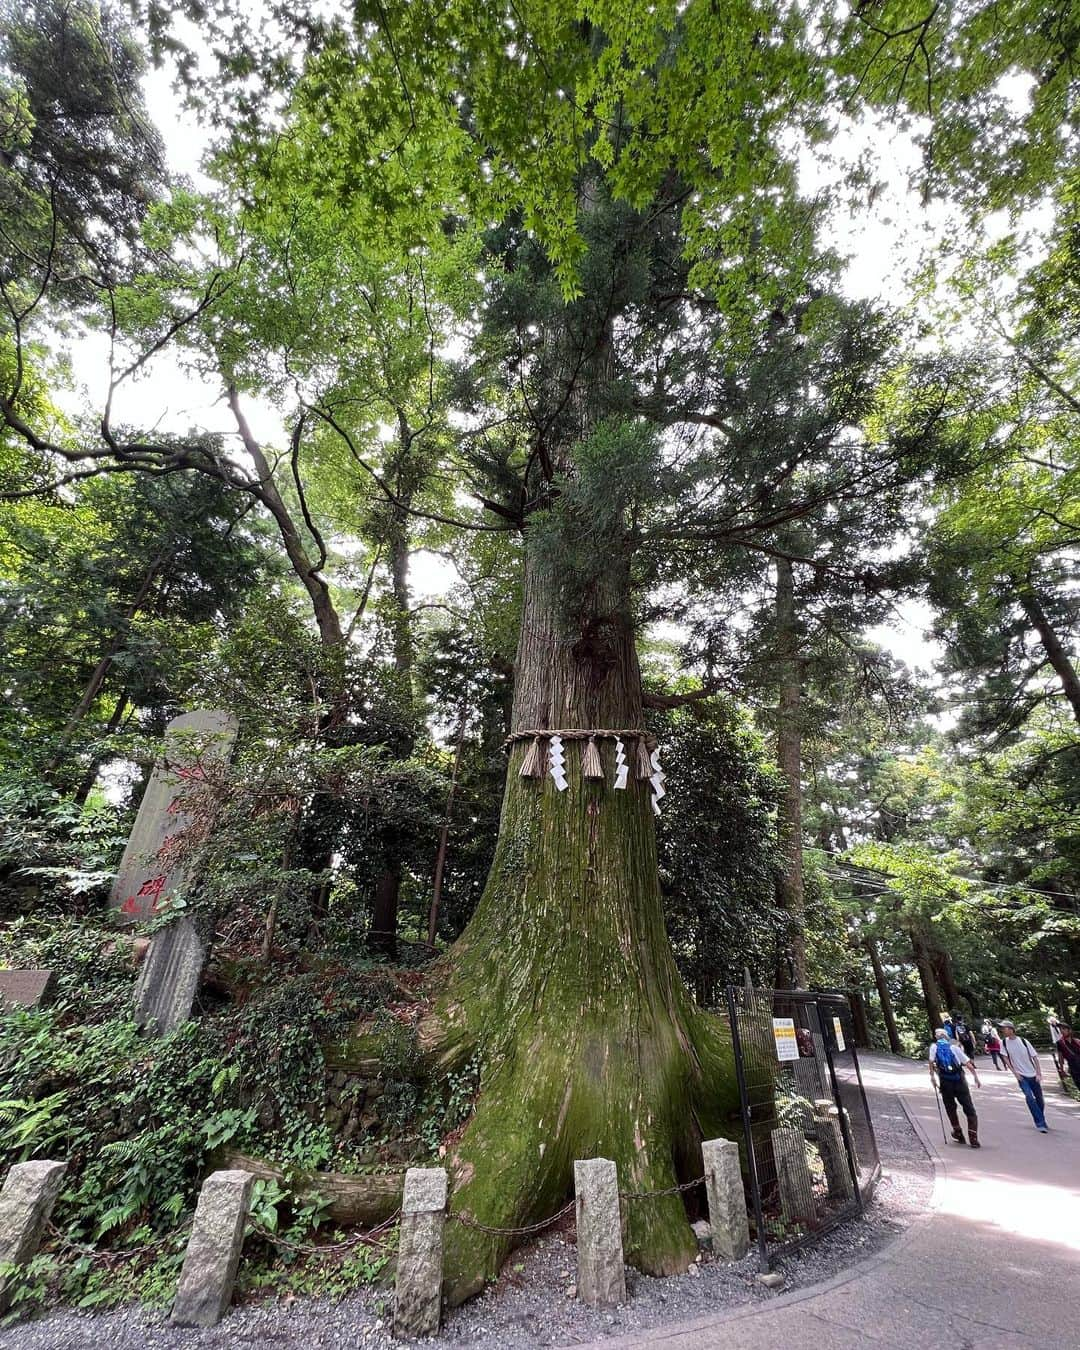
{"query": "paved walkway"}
[(994, 1266)]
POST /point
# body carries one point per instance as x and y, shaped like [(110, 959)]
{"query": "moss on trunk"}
[(565, 983)]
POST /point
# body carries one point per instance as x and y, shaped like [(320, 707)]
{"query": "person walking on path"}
[(1024, 1063), (1055, 1037), (1068, 1047), (992, 1045), (962, 1032), (948, 1062)]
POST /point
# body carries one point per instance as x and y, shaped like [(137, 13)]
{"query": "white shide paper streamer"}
[(557, 763), (621, 767), (657, 781)]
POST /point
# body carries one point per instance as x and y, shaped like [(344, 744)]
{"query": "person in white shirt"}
[(1024, 1063), (1055, 1039), (948, 1062)]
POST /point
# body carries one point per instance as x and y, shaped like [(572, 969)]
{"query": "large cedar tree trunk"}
[(789, 757), (564, 980)]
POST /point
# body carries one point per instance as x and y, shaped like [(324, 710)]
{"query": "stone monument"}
[(25, 988), (150, 876)]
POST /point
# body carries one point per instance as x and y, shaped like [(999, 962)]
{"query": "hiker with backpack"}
[(1024, 1063), (949, 1062), (992, 1045), (962, 1033)]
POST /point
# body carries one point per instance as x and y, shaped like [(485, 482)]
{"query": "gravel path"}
[(533, 1302)]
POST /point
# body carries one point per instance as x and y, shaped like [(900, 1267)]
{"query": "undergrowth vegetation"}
[(139, 1120)]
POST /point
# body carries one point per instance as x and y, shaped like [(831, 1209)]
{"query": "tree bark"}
[(89, 778), (104, 665), (972, 1002), (565, 978), (1055, 652), (884, 997), (931, 995), (943, 973), (382, 936), (266, 491), (444, 832), (564, 983), (789, 757), (859, 1027)]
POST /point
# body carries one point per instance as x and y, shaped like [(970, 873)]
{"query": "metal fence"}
[(811, 1156)]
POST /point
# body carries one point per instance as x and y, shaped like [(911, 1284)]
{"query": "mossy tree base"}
[(644, 1092), (564, 984)]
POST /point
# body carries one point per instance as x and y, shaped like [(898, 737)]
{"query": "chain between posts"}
[(120, 1253), (655, 1195), (468, 1222), (368, 1237)]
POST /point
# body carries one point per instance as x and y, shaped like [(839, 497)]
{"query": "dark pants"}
[(953, 1091), (998, 1058)]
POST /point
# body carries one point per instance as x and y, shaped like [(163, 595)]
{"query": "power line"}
[(985, 885), (878, 888)]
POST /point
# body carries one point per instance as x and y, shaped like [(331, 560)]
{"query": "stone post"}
[(213, 1251), (727, 1202), (418, 1288), (601, 1276), (830, 1143), (793, 1176), (26, 1202)]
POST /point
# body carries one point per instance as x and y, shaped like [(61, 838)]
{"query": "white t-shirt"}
[(961, 1058), (1021, 1057)]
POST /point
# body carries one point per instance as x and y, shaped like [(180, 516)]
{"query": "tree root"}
[(646, 1102)]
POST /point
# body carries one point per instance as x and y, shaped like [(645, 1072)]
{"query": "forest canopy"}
[(540, 427)]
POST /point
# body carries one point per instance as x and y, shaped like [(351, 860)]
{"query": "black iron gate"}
[(811, 1156)]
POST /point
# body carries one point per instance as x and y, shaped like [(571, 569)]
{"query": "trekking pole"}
[(937, 1098)]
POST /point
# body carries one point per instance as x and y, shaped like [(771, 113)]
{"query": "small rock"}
[(571, 1291), (772, 1280), (694, 1270)]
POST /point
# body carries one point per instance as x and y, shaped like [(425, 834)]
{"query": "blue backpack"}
[(947, 1063)]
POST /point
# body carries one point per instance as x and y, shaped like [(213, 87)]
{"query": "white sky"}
[(883, 241)]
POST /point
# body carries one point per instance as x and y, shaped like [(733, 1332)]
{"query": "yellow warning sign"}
[(839, 1032), (783, 1030)]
